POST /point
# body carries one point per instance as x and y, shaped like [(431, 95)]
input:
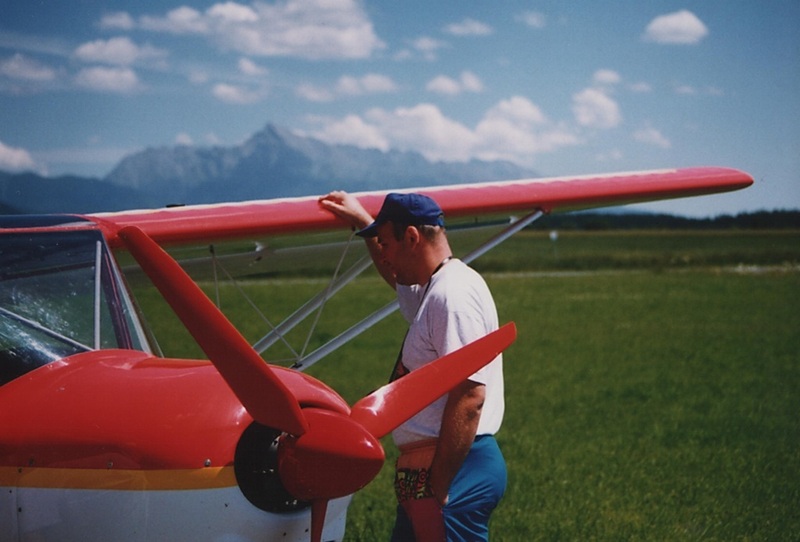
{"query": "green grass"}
[(650, 401), (650, 249), (653, 406)]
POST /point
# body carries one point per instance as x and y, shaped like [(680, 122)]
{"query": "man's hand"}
[(347, 207)]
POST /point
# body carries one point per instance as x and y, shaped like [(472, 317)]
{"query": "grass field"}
[(654, 398)]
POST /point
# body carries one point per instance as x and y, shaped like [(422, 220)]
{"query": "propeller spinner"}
[(323, 454)]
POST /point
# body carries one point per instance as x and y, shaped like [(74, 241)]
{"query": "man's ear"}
[(413, 235)]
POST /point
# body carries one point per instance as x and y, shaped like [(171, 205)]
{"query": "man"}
[(450, 473)]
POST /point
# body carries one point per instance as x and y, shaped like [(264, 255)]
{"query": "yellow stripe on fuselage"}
[(118, 479)]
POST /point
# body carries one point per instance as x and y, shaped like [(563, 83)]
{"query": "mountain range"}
[(273, 163)]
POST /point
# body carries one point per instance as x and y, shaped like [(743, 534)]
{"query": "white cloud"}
[(424, 128), (641, 87), (184, 139), (372, 83), (471, 82), (428, 47), (233, 12), (520, 109), (212, 139), (469, 27), (119, 51), (314, 29), (119, 21), (108, 79), (427, 44), (682, 27), (15, 159), (467, 82), (444, 85), (533, 19), (237, 95), (314, 93), (517, 130), (593, 108), (606, 77), (248, 67), (514, 129), (651, 136), (352, 130), (182, 20), (348, 86), (26, 69)]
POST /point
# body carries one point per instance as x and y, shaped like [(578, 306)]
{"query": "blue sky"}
[(562, 87)]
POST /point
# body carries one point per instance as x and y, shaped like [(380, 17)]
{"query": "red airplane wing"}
[(280, 216)]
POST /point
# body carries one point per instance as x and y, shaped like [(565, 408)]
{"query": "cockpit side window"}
[(60, 294)]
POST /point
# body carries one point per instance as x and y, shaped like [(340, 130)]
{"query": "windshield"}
[(60, 294)]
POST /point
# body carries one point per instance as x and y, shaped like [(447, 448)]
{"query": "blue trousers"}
[(474, 493)]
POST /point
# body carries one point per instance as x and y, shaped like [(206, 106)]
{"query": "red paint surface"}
[(128, 410), (259, 218)]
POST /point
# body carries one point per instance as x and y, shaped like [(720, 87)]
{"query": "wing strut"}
[(514, 227), (278, 332)]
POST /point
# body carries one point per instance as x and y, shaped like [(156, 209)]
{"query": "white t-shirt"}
[(456, 310)]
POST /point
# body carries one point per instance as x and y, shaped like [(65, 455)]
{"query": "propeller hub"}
[(335, 457)]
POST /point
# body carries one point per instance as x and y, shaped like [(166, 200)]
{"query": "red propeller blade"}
[(318, 510), (264, 396), (386, 408)]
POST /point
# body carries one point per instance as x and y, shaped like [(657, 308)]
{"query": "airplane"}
[(101, 438)]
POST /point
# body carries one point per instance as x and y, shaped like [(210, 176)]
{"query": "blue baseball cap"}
[(405, 209)]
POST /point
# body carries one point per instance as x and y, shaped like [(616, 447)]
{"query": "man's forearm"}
[(459, 427)]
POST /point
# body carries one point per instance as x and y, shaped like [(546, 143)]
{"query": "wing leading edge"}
[(202, 223)]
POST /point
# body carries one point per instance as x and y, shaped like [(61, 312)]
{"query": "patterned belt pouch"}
[(413, 469)]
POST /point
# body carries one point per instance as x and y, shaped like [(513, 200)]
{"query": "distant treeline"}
[(761, 220)]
